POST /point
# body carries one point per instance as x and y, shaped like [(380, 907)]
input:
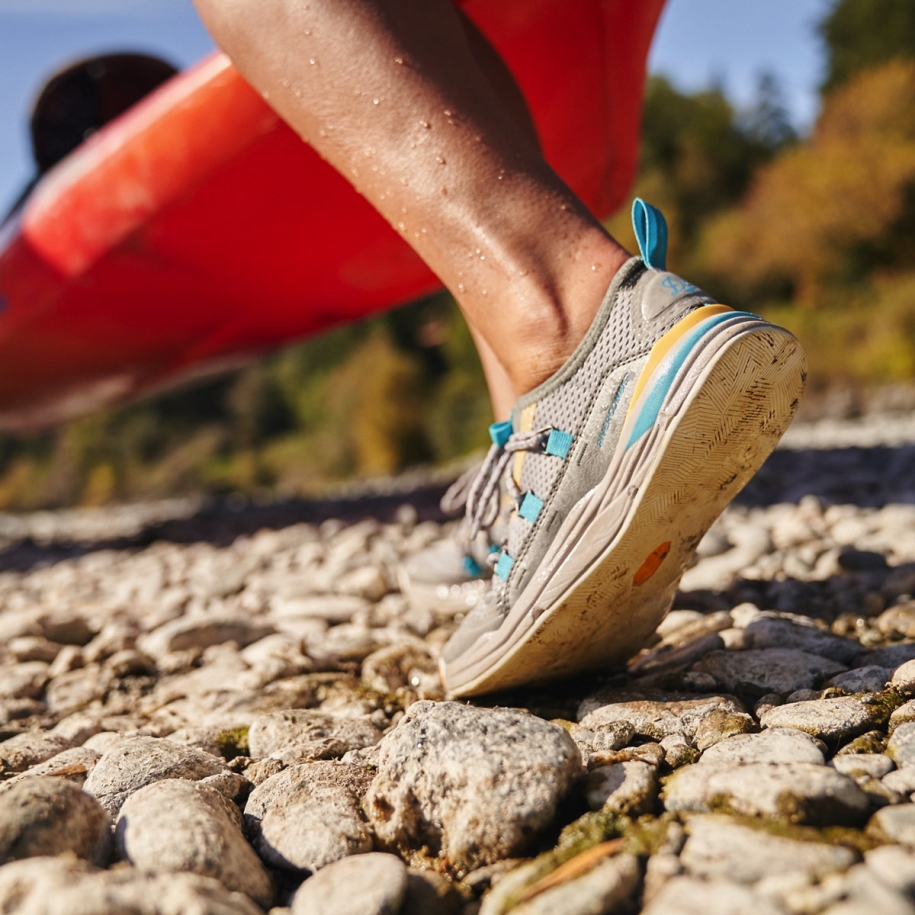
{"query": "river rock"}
[(774, 632), (863, 765), (308, 816), (901, 746), (767, 670), (139, 761), (471, 784), (629, 788), (773, 746), (689, 896), (720, 847), (51, 816), (305, 735), (178, 825), (74, 765), (25, 750), (894, 866), (607, 887), (894, 824), (799, 792), (656, 719), (870, 679), (62, 886), (829, 719), (372, 884)]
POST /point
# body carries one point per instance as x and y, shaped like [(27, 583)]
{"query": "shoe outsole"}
[(710, 446)]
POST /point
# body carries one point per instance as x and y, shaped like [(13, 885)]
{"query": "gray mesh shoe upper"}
[(563, 434)]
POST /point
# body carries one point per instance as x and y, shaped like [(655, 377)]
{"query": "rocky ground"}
[(232, 708)]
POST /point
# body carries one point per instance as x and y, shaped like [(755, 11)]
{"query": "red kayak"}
[(196, 230)]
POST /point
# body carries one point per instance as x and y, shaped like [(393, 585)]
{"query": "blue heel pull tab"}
[(651, 233)]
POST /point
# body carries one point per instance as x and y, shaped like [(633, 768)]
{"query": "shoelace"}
[(477, 490)]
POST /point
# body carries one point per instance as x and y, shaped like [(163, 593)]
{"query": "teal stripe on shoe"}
[(504, 566), (653, 402)]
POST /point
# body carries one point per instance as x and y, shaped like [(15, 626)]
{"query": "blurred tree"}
[(858, 34)]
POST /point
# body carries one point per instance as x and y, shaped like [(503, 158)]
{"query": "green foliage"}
[(859, 34), (818, 233)]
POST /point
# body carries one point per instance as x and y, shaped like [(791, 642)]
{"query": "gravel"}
[(246, 691)]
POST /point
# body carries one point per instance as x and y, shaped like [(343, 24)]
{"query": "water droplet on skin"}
[(479, 138), (483, 291), (522, 272), (440, 160), (424, 230), (312, 61), (412, 146), (266, 95), (404, 182), (460, 287), (482, 257), (447, 113), (476, 251), (284, 83), (403, 210), (376, 101), (307, 31), (322, 132), (398, 61), (297, 93), (401, 226), (425, 123)]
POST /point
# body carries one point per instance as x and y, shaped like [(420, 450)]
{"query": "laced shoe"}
[(620, 462), (451, 575)]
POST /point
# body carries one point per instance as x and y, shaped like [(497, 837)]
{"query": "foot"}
[(621, 461)]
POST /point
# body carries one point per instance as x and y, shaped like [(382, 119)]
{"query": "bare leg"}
[(393, 95)]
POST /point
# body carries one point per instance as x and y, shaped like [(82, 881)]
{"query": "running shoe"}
[(620, 463)]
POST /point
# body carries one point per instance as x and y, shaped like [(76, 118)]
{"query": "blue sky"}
[(729, 42)]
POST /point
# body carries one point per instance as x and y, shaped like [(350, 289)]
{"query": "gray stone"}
[(863, 765), (894, 866), (76, 689), (689, 896), (629, 788), (428, 893), (902, 781), (334, 608), (890, 656), (74, 765), (304, 735), (177, 825), (398, 667), (901, 746), (767, 670), (23, 681), (607, 887), (774, 632), (901, 715), (862, 893), (308, 816), (894, 824), (24, 750), (602, 741), (903, 678), (372, 884), (51, 816), (201, 632), (132, 764), (656, 719), (62, 886), (779, 745), (720, 847), (829, 719), (473, 785), (799, 792), (870, 679)]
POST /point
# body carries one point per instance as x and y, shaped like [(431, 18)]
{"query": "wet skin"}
[(411, 104)]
